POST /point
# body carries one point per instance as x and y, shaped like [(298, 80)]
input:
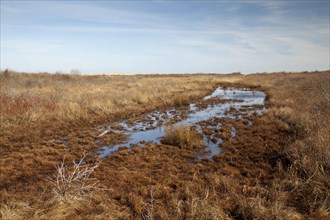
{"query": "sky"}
[(165, 36)]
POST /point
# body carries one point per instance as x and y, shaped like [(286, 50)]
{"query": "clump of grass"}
[(183, 137), (181, 100), (193, 207), (15, 210)]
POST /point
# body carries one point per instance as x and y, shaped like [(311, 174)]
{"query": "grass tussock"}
[(15, 211), (183, 137)]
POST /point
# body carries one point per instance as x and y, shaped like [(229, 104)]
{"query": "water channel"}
[(227, 103)]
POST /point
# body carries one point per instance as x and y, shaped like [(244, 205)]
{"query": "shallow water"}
[(152, 128)]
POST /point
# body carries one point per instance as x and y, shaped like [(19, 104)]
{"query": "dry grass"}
[(300, 105), (32, 98), (183, 137), (278, 168)]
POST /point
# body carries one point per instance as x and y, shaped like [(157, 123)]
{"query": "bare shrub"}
[(75, 182)]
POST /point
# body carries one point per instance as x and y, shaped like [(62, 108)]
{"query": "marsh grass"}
[(300, 104), (183, 137), (38, 98), (279, 169)]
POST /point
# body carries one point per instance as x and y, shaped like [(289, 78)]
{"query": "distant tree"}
[(75, 71)]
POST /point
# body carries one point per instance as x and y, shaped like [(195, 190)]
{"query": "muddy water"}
[(227, 103)]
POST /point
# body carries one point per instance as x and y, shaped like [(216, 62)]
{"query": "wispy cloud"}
[(221, 35), (73, 12), (31, 46)]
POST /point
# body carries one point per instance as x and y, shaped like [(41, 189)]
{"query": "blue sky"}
[(165, 36)]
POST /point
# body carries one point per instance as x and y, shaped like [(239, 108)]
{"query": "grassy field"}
[(278, 168)]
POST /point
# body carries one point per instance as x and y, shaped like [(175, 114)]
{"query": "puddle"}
[(233, 132), (236, 104)]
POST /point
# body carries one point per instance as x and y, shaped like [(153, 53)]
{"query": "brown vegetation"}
[(277, 168), (183, 137), (39, 98)]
